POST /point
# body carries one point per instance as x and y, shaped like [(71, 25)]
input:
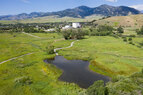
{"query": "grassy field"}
[(108, 55), (29, 75)]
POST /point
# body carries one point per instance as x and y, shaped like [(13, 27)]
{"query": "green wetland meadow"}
[(111, 52)]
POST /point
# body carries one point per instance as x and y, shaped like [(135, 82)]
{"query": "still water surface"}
[(76, 71)]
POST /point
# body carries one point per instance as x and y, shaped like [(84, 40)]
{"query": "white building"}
[(50, 30), (76, 25), (67, 27)]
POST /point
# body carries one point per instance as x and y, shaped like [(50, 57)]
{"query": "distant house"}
[(67, 27), (37, 26), (76, 25), (48, 30)]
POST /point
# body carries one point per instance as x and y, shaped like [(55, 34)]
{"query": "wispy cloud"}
[(139, 7), (112, 0), (26, 1)]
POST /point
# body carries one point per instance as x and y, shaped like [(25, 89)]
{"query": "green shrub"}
[(142, 71), (50, 49), (139, 31), (120, 29), (66, 34), (131, 43), (132, 35), (25, 80), (117, 78), (97, 89), (114, 35), (141, 43), (125, 39), (130, 39)]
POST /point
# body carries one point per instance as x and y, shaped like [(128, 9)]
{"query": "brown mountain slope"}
[(126, 21)]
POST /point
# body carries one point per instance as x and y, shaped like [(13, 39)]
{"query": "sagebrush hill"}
[(126, 21)]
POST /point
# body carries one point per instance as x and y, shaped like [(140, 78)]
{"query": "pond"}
[(76, 71)]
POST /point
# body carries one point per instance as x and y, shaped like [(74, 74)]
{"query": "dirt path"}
[(55, 50), (15, 58), (31, 35)]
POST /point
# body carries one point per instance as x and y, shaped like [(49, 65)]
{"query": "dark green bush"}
[(125, 39), (141, 43), (130, 39), (139, 31), (131, 43), (132, 35), (97, 88), (120, 29), (50, 49)]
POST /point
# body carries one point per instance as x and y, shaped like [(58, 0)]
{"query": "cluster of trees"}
[(120, 85), (73, 34), (139, 31), (32, 30), (33, 27), (101, 30)]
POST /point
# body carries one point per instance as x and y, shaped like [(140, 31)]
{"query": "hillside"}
[(78, 12), (127, 21), (50, 19)]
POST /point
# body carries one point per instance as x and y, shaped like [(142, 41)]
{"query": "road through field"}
[(31, 35), (15, 58), (55, 50)]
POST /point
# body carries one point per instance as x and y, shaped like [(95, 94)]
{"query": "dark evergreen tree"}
[(120, 29)]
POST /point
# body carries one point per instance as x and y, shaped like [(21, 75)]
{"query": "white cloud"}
[(25, 1), (112, 0), (139, 7)]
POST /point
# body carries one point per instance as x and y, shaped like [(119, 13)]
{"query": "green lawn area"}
[(29, 75)]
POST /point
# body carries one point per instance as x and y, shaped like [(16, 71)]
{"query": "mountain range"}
[(78, 12)]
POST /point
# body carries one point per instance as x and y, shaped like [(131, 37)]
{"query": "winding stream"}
[(76, 71)]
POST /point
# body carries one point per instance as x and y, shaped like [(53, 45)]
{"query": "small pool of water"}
[(76, 71)]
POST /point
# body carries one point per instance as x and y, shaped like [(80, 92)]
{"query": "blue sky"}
[(26, 6)]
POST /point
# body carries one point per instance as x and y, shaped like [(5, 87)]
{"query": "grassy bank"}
[(108, 55)]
